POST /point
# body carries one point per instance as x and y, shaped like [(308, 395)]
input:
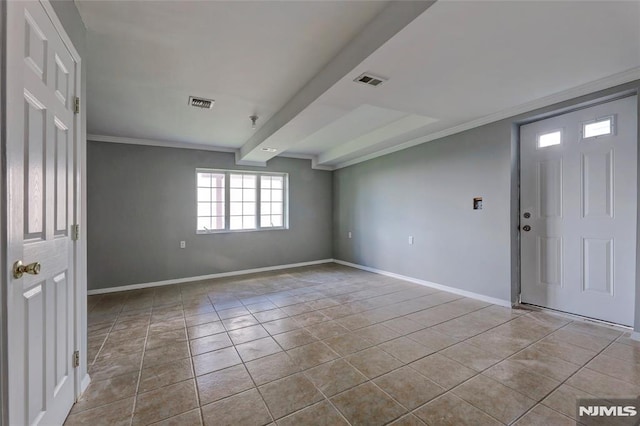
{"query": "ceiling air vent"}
[(370, 79), (201, 102)]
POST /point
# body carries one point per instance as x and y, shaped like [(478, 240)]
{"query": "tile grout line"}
[(243, 363), (568, 378), (326, 398), (351, 331), (515, 353), (193, 371), (144, 349), (271, 335), (328, 295), (478, 373), (188, 342), (106, 335)]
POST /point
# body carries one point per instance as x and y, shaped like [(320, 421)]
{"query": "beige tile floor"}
[(332, 345)]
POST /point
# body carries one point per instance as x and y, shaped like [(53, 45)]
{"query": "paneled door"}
[(40, 156), (578, 208)]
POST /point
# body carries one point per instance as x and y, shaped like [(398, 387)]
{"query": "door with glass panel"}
[(578, 203)]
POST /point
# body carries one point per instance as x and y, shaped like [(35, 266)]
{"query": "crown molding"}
[(241, 162), (160, 143), (201, 147), (310, 157), (315, 165), (575, 92)]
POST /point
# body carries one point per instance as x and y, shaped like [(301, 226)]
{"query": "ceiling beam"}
[(382, 134), (392, 19)]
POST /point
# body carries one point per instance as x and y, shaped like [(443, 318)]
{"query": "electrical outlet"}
[(183, 244), (410, 240), (349, 234)]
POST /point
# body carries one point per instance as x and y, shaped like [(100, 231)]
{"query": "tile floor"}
[(332, 345)]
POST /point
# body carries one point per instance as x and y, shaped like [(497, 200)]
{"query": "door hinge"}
[(76, 359), (76, 105), (75, 232)]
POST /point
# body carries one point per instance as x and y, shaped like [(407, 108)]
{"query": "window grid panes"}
[(271, 201), (254, 201), (242, 196), (211, 196)]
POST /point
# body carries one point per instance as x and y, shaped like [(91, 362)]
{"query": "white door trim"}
[(4, 403)]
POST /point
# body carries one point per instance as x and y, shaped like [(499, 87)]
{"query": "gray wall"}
[(426, 191), (72, 21), (141, 204)]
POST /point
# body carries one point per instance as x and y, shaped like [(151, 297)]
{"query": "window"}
[(599, 127), (211, 196), (271, 201), (242, 195), (549, 139), (256, 201)]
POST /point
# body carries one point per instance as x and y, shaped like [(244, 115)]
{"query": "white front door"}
[(578, 211), (40, 146)]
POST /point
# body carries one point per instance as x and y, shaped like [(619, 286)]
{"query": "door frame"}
[(4, 402), (79, 258), (583, 102)]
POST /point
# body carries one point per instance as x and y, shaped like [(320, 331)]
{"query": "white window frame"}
[(547, 147), (227, 200), (612, 119)]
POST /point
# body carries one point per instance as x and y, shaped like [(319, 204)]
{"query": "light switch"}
[(349, 234), (410, 240), (183, 244)]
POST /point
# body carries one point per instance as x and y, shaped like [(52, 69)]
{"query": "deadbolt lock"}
[(19, 269), (526, 228)]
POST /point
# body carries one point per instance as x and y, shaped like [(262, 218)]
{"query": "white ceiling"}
[(293, 64)]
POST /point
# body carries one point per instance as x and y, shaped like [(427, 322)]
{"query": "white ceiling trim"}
[(164, 144), (401, 126), (575, 92), (310, 157), (200, 147), (585, 89)]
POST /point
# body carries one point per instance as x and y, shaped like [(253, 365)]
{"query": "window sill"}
[(235, 231)]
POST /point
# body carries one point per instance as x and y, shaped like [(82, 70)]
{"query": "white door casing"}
[(41, 89), (579, 255)]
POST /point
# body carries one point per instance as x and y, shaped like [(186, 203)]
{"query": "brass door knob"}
[(19, 269)]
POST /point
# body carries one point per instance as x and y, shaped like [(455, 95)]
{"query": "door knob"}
[(19, 269), (526, 228)]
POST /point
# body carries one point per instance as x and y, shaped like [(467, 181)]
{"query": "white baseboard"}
[(205, 277), (441, 287), (84, 384)]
